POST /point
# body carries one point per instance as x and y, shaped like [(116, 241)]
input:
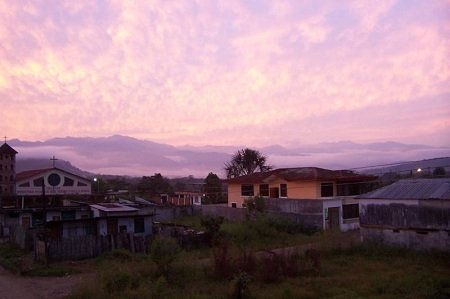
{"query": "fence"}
[(82, 247), (23, 237)]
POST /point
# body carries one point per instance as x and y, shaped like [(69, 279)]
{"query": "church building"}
[(51, 181)]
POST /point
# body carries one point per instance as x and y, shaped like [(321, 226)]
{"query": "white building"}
[(51, 181)]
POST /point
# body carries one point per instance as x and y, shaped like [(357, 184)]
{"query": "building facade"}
[(7, 170), (327, 196)]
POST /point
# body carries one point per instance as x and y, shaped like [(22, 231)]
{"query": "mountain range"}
[(123, 155)]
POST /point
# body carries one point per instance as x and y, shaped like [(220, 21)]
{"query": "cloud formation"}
[(226, 72)]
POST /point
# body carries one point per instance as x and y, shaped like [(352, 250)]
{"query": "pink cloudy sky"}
[(227, 72)]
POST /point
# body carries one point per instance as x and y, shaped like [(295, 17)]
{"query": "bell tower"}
[(7, 170)]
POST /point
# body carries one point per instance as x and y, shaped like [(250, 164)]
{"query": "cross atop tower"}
[(5, 139), (54, 161)]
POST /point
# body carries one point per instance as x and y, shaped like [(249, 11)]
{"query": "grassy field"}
[(341, 268), (358, 272), (347, 270)]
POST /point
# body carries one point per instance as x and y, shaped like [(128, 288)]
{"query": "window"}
[(68, 215), (350, 211), (27, 184), (54, 179), (247, 190), (326, 190), (283, 190), (139, 226), (233, 205), (80, 184), (122, 228), (56, 218), (68, 182), (348, 189), (39, 182), (264, 190)]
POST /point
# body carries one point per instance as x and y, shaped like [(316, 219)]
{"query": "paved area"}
[(20, 287)]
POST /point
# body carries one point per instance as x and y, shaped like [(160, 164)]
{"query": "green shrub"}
[(163, 252), (116, 281), (241, 288)]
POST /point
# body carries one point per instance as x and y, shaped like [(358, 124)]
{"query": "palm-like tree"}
[(246, 161)]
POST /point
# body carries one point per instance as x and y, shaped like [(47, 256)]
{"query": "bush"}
[(241, 286), (116, 281), (223, 264), (211, 226), (286, 225), (163, 253)]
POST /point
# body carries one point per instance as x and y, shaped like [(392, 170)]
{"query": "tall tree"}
[(246, 161), (213, 189)]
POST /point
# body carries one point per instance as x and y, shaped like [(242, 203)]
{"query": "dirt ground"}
[(15, 287)]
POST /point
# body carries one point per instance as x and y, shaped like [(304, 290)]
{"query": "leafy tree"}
[(155, 185), (213, 189), (179, 186), (439, 171), (246, 161)]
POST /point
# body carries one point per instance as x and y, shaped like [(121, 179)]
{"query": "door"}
[(333, 218), (112, 226)]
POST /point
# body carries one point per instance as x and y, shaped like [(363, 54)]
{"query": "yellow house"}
[(300, 187)]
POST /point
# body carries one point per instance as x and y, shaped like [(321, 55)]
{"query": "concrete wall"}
[(234, 195), (303, 190), (220, 211), (163, 213), (306, 212), (423, 225), (414, 239), (304, 206)]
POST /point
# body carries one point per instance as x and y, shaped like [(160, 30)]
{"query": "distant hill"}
[(123, 155), (427, 165), (37, 163)]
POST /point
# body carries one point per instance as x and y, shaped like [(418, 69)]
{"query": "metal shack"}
[(412, 213)]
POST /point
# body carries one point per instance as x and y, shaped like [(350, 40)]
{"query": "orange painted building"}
[(296, 184)]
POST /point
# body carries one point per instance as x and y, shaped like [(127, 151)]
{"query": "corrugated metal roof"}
[(413, 189)]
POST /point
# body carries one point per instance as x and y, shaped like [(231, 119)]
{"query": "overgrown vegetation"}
[(338, 266), (22, 262)]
